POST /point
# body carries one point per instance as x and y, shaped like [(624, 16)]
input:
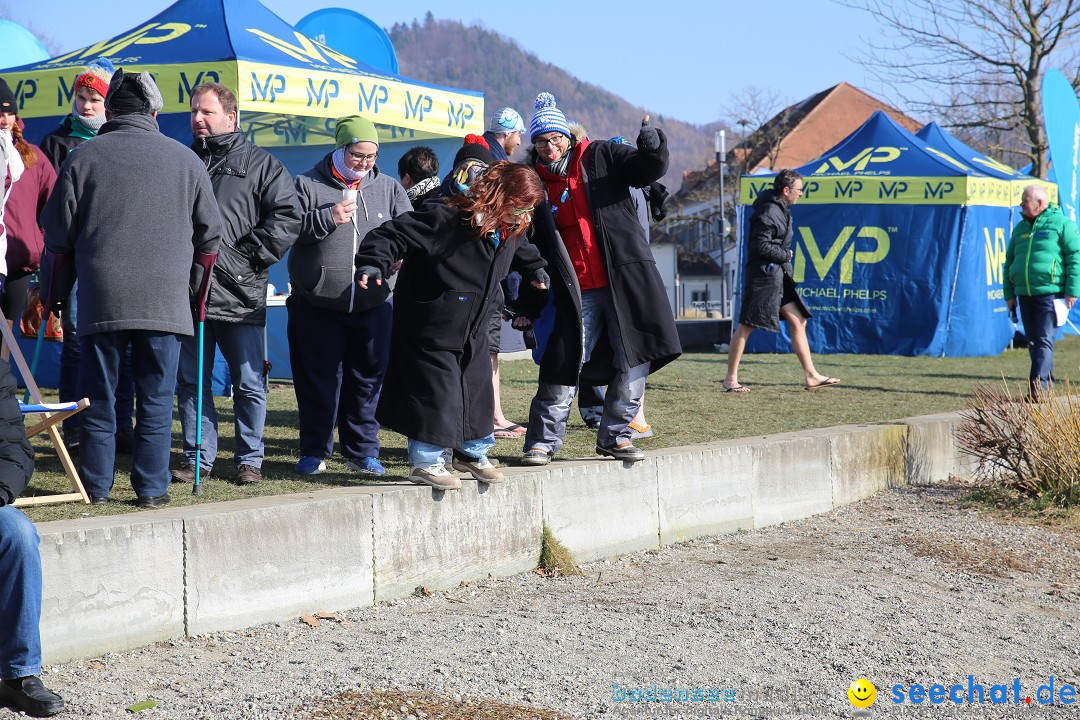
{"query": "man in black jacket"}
[(770, 292), (20, 570), (261, 221)]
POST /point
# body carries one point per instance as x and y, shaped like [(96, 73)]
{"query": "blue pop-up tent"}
[(290, 89), (898, 249)]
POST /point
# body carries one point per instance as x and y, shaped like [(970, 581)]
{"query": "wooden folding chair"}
[(48, 424)]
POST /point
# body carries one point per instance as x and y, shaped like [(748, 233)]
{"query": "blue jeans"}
[(551, 405), (68, 385), (242, 347), (1040, 328), (423, 455), (20, 596), (154, 357)]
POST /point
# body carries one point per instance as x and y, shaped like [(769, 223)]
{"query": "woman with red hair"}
[(438, 389), (25, 199)]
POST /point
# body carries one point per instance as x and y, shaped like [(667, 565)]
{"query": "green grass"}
[(685, 403)]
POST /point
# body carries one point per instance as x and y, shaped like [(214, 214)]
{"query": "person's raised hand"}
[(648, 137)]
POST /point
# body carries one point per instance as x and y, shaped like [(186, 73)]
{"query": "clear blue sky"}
[(685, 58)]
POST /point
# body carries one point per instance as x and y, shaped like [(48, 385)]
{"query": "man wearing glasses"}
[(611, 321), (770, 293), (339, 334)]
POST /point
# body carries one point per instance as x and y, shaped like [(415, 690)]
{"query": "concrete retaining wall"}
[(119, 582)]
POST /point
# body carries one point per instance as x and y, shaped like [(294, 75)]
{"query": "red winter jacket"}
[(24, 205), (574, 219)]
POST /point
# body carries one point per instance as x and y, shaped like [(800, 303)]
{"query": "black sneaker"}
[(31, 696), (622, 451)]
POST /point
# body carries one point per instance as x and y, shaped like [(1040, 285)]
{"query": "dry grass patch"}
[(399, 705)]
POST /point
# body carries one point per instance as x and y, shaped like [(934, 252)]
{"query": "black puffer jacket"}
[(16, 455), (261, 220), (58, 144)]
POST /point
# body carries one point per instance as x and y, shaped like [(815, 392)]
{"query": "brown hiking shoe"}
[(247, 475), (186, 474), (482, 470)]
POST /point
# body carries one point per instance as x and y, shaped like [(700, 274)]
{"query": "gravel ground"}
[(904, 588)]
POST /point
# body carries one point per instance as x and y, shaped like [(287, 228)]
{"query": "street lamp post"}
[(721, 151)]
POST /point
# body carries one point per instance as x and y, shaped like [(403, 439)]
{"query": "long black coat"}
[(438, 384), (641, 304), (16, 455), (767, 262)]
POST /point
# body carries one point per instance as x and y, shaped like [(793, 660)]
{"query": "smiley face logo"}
[(862, 693)]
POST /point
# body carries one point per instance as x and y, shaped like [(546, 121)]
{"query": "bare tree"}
[(762, 115), (981, 60)]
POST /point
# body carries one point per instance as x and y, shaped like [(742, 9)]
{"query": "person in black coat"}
[(261, 220), (20, 570), (605, 285), (437, 390), (769, 291)]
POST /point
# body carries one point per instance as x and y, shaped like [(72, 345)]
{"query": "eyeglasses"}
[(544, 142), (363, 158), (523, 211)]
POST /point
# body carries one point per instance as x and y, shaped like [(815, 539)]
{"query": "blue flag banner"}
[(1061, 114), (898, 248)]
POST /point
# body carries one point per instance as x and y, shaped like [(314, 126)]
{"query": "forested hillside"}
[(446, 52)]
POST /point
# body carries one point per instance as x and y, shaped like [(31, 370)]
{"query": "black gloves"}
[(540, 276), (373, 273), (648, 139)]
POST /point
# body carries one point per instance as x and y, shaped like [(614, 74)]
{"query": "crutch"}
[(206, 262)]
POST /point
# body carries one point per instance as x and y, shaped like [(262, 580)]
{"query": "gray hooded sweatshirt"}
[(321, 263)]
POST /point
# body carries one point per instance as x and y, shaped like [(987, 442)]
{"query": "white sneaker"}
[(483, 470), (437, 476)]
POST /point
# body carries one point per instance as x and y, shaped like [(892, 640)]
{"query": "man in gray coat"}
[(134, 215)]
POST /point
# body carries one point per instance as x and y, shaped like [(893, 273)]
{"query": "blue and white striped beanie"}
[(548, 118)]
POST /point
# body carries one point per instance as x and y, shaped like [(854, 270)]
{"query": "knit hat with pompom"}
[(548, 118)]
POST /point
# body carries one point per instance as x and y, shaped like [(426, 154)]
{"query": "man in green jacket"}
[(1042, 266)]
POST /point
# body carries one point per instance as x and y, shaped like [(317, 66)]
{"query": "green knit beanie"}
[(354, 129)]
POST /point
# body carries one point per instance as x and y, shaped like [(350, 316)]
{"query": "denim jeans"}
[(154, 357), (1040, 328), (551, 405), (242, 347), (20, 596), (68, 385), (423, 455)]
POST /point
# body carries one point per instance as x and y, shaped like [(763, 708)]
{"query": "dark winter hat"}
[(548, 118), (353, 129), (131, 93), (475, 148), (7, 99)]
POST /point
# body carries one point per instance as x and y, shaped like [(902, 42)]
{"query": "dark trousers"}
[(1040, 328), (154, 357), (338, 362), (69, 388)]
